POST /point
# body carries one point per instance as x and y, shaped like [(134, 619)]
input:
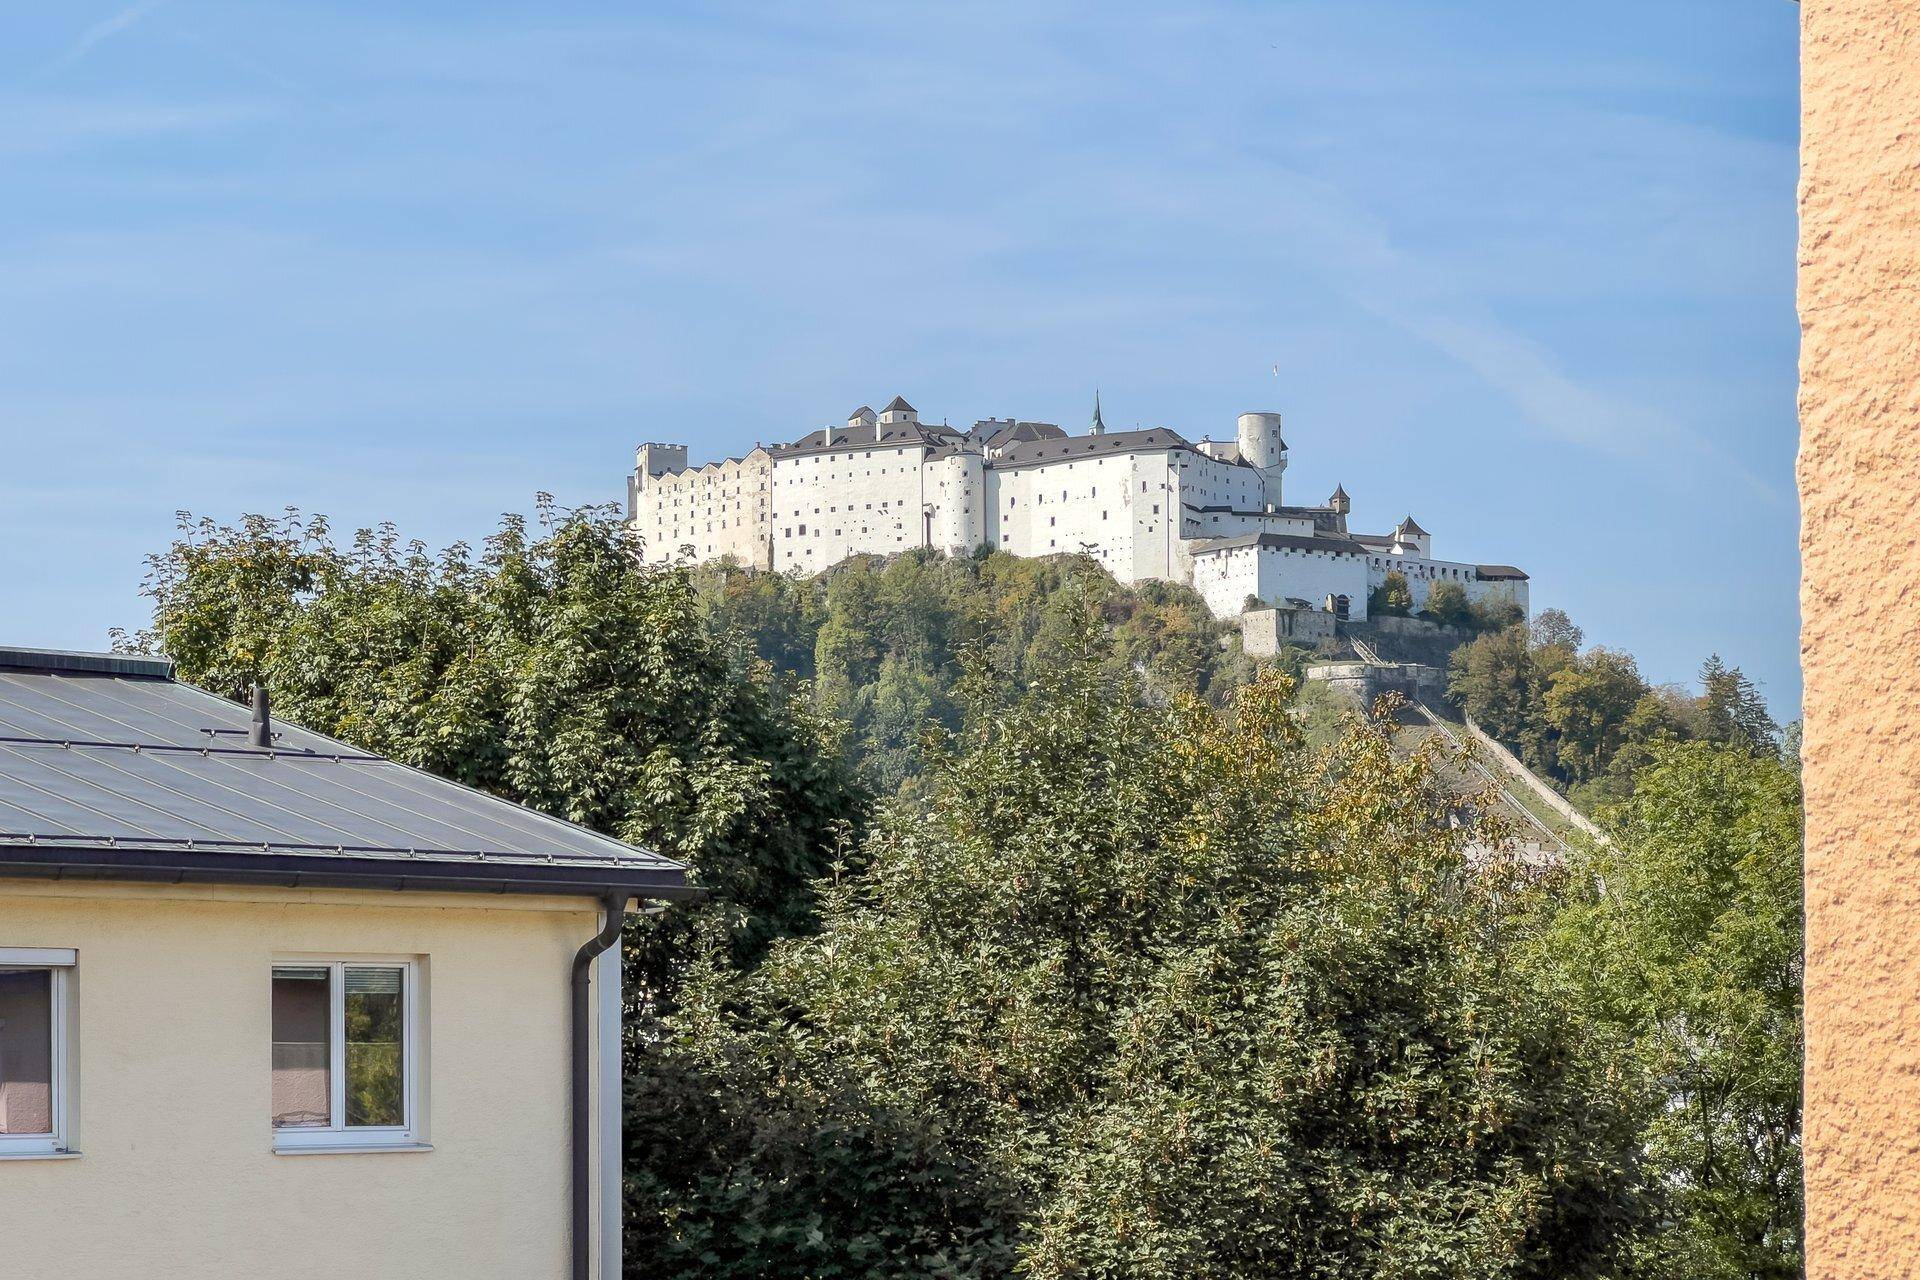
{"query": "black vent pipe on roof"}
[(261, 733)]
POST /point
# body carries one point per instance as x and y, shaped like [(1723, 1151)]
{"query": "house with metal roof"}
[(312, 1011)]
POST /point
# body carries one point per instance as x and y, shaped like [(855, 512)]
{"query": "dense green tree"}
[(1552, 628), (1393, 598), (1588, 721), (1731, 711), (1587, 706), (882, 638), (773, 614), (1494, 680), (1140, 988), (1659, 719), (1683, 936), (555, 670), (1495, 613), (1447, 605)]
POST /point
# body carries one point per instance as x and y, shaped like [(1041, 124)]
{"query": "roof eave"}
[(48, 860)]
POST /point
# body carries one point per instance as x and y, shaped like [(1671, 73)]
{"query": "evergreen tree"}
[(1731, 711), (1447, 605), (1393, 598)]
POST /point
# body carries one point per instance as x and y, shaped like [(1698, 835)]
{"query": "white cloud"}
[(93, 37)]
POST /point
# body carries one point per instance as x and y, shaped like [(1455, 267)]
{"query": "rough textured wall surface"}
[(1859, 300)]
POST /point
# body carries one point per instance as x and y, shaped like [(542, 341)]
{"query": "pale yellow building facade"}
[(174, 1170)]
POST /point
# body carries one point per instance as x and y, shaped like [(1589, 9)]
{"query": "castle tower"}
[(861, 425), (898, 413), (1410, 539), (1262, 449), (1340, 504), (1099, 427), (957, 486), (654, 459)]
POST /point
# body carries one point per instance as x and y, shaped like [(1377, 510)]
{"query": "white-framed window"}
[(347, 1054), (36, 1050)]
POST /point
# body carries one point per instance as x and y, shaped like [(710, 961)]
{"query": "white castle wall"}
[(718, 510), (1226, 577), (1143, 513), (852, 501), (1113, 507)]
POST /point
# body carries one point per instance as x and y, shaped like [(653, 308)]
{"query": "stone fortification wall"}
[(1366, 681)]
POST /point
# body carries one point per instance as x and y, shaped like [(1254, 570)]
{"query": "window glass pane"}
[(302, 1057), (26, 1051), (376, 1069)]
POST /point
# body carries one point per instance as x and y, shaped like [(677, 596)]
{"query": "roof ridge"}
[(84, 661)]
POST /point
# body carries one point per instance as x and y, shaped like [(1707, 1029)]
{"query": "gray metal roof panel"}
[(62, 707), (106, 759)]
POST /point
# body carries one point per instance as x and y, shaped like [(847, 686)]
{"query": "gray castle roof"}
[(1325, 519), (1022, 444), (1331, 543), (830, 439), (899, 405), (1065, 448)]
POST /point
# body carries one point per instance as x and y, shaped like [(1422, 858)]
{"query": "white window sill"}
[(351, 1148), (39, 1155)]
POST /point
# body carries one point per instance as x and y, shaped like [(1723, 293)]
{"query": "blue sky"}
[(1522, 270)]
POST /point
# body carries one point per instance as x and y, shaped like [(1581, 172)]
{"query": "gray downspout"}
[(582, 1182)]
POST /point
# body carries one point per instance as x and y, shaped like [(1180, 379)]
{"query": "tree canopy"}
[(553, 669), (881, 639), (1589, 720), (1683, 938), (1140, 988), (1129, 978)]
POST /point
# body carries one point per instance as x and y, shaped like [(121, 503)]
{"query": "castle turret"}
[(1340, 504), (653, 459), (1410, 539), (958, 507), (1099, 427), (1262, 449), (898, 413), (862, 426)]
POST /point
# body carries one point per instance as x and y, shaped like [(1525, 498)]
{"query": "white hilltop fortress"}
[(1146, 504)]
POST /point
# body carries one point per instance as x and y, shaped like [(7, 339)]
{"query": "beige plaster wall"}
[(1859, 299), (177, 1176)]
